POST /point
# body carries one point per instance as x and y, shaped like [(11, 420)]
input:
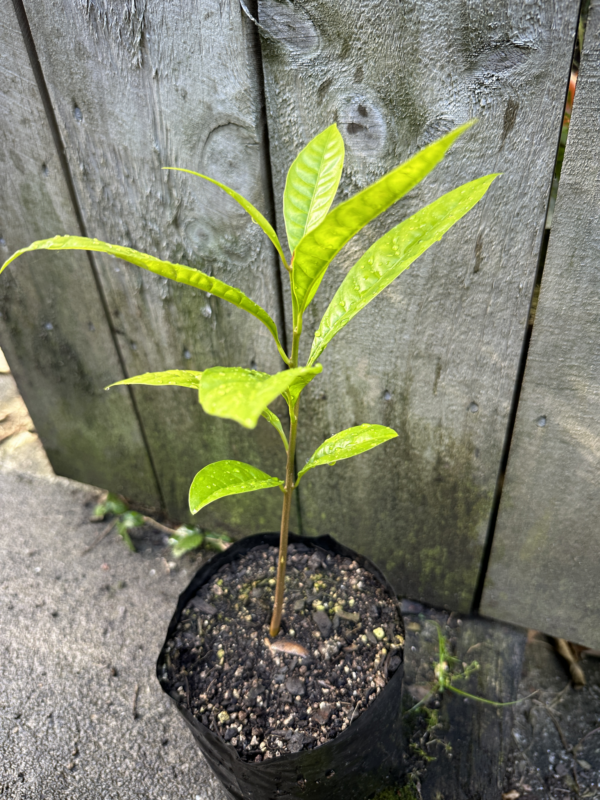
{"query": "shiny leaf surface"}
[(348, 443), (174, 272), (311, 184), (247, 206), (171, 377), (225, 478), (298, 385), (276, 423), (392, 254), (319, 247), (243, 394)]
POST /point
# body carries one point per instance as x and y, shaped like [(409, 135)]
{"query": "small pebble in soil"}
[(341, 640)]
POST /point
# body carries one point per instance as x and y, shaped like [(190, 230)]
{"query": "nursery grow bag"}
[(359, 762)]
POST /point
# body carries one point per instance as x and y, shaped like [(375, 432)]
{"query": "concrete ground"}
[(79, 635)]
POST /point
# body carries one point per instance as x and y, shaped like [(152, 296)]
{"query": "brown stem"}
[(287, 503), (285, 525)]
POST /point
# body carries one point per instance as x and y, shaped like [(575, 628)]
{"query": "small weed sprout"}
[(316, 234), (445, 678)]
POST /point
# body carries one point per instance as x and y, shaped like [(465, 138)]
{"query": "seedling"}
[(445, 678), (315, 236)]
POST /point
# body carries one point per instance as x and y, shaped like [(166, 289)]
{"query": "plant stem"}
[(287, 504)]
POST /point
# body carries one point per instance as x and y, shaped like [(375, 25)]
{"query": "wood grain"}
[(545, 560), (135, 90), (436, 355), (53, 328)]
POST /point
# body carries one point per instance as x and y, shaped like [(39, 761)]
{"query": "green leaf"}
[(174, 272), (171, 377), (184, 539), (319, 247), (224, 478), (124, 534), (276, 423), (243, 394), (112, 505), (348, 443), (392, 254), (248, 207), (298, 385), (311, 184)]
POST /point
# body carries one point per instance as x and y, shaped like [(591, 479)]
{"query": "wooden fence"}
[(97, 96)]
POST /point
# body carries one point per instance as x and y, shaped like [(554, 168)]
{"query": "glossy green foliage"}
[(298, 385), (319, 247), (247, 206), (127, 521), (348, 443), (171, 377), (311, 184), (392, 254), (224, 478), (185, 539), (174, 272), (274, 420), (243, 394)]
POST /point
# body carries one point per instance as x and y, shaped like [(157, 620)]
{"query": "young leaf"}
[(276, 423), (175, 272), (319, 247), (392, 254), (348, 443), (311, 184), (298, 385), (112, 505), (248, 207), (224, 478), (171, 377), (243, 394)]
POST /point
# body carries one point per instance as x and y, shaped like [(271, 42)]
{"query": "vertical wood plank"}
[(545, 559), (57, 341), (436, 356), (173, 84)]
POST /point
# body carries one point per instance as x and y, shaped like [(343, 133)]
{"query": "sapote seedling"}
[(315, 235)]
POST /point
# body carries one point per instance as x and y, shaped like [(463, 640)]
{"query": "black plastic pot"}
[(358, 763)]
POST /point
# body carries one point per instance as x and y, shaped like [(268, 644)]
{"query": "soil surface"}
[(341, 640)]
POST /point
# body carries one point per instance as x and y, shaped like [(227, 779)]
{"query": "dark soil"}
[(344, 637)]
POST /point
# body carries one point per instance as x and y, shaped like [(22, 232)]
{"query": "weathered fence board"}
[(61, 352), (436, 356), (172, 84), (545, 562)]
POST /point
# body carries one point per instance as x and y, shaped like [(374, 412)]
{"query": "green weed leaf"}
[(311, 184), (319, 247), (276, 423), (248, 207), (174, 272), (348, 443), (185, 539), (171, 377), (225, 478), (392, 254), (112, 505), (128, 520), (243, 394)]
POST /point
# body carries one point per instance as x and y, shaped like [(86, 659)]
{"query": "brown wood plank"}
[(436, 355), (545, 560), (173, 84), (53, 328), (462, 755)]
